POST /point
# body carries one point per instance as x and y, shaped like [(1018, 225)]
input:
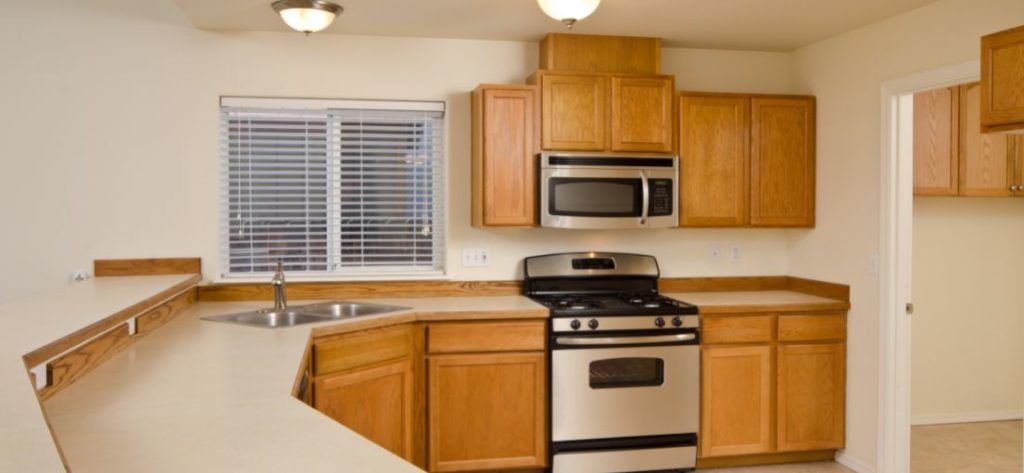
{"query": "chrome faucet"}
[(280, 302)]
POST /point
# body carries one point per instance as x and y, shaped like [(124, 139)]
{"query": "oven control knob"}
[(677, 322), (575, 324), (592, 324), (660, 322)]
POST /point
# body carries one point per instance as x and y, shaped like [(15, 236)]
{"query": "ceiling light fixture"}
[(307, 16), (568, 11)]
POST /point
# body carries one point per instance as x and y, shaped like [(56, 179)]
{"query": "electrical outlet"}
[(715, 255), (734, 254), (476, 258)]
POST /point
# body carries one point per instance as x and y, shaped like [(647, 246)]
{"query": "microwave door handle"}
[(646, 197)]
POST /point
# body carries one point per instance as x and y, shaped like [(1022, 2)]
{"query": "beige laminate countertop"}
[(733, 302), (203, 396), (35, 321)]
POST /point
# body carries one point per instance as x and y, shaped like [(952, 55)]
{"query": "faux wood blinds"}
[(332, 187)]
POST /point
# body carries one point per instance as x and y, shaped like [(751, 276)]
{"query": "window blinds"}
[(332, 191)]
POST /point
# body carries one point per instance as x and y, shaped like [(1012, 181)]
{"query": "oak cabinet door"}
[(986, 160), (811, 396), (375, 402), (714, 160), (504, 149), (736, 406), (574, 112), (1002, 79), (782, 170), (936, 134), (642, 113), (486, 411)]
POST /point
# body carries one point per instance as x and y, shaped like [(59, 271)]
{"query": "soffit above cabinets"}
[(777, 25)]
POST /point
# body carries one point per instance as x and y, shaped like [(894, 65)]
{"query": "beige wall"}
[(846, 73), (112, 134), (968, 324)]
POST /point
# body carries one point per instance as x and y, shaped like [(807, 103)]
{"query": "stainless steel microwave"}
[(608, 191)]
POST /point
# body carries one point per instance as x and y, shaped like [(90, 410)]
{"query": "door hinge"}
[(910, 308)]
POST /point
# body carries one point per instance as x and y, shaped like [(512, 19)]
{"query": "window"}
[(345, 188)]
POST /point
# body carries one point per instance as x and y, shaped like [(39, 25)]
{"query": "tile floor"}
[(984, 447)]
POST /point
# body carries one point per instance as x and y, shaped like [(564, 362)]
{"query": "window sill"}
[(297, 278)]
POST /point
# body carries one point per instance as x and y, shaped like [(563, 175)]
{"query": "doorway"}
[(897, 251)]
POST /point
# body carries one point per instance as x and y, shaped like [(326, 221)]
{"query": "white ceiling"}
[(764, 25)]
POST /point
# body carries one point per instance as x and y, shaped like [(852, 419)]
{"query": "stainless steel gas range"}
[(624, 364)]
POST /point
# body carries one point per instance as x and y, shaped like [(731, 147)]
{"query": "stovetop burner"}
[(613, 304)]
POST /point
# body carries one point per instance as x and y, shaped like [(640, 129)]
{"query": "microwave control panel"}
[(661, 198)]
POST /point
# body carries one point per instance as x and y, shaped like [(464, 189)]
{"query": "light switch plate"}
[(476, 258)]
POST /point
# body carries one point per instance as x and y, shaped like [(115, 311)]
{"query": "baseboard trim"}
[(967, 417), (852, 463)]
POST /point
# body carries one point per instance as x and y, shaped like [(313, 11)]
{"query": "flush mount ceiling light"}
[(307, 16), (568, 11)]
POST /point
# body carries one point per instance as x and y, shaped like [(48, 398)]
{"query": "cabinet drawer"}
[(737, 329), (343, 352), (485, 337), (799, 328)]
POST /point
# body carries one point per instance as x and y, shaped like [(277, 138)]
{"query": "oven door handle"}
[(583, 341), (646, 197)]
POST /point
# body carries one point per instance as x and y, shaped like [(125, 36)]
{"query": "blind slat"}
[(339, 191)]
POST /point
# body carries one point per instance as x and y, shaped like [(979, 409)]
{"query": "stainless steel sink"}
[(345, 309), (271, 318)]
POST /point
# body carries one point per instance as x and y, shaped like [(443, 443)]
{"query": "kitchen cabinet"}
[(1002, 81), (987, 160), (782, 154), (487, 390), (936, 136), (641, 114), (605, 112), (505, 129), (736, 394), (746, 160), (714, 160), (772, 386), (952, 155), (367, 381)]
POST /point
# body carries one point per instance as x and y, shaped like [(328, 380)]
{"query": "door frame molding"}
[(897, 189)]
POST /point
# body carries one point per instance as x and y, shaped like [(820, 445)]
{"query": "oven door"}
[(624, 386)]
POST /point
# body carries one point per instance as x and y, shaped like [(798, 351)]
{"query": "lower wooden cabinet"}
[(772, 385), (737, 400), (811, 396), (376, 402), (486, 411)]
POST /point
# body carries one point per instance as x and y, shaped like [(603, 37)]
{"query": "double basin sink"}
[(305, 314)]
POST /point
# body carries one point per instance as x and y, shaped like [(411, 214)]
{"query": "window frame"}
[(351, 273)]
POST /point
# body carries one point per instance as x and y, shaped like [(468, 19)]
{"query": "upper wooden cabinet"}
[(1002, 80), (986, 160), (574, 111), (936, 152), (641, 114), (746, 160), (714, 160), (504, 150), (952, 156), (605, 112), (782, 150), (590, 53)]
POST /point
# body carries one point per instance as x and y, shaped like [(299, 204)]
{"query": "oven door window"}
[(627, 373), (595, 197)]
